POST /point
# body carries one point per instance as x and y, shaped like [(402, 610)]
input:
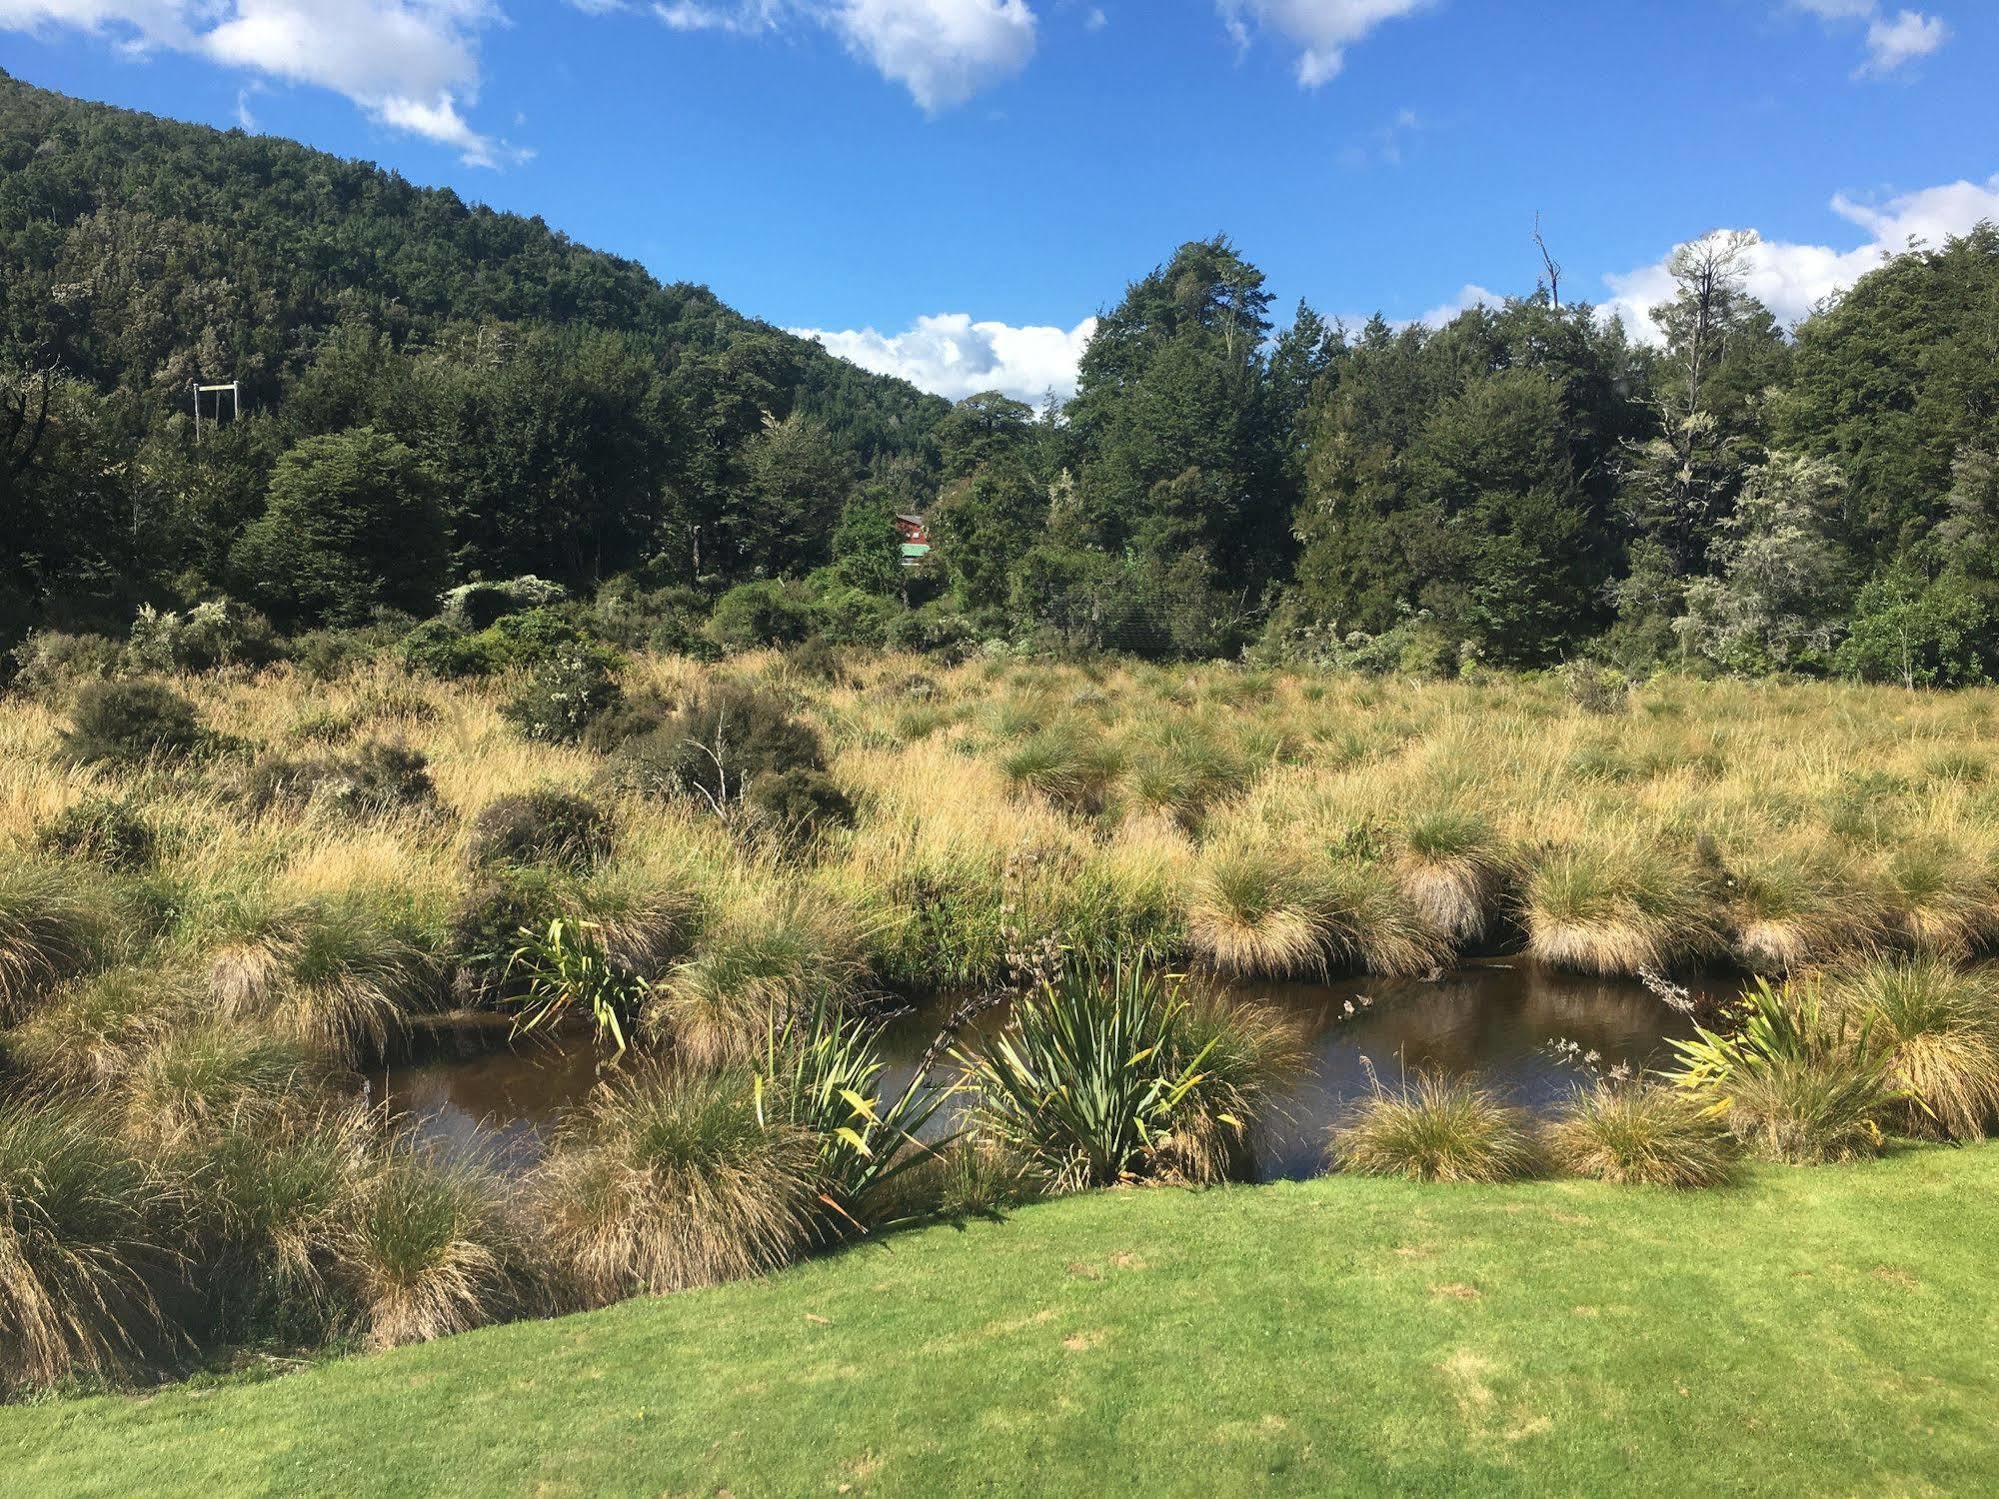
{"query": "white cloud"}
[(407, 63), (1908, 36), (942, 51), (1322, 29), (950, 355), (1892, 41), (690, 15), (1790, 279)]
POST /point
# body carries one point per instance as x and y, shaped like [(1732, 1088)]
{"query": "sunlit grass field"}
[(1820, 1332)]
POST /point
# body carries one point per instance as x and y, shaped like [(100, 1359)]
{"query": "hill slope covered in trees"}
[(438, 393)]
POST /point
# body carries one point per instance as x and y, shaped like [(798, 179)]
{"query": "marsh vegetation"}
[(211, 935)]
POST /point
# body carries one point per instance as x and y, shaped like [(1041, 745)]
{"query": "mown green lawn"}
[(1820, 1332)]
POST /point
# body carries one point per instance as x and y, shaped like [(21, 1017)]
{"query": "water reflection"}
[(1498, 1020)]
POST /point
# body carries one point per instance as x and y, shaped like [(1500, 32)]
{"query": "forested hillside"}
[(570, 414), (436, 393)]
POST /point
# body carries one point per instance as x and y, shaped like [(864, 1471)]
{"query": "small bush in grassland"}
[(1642, 1134), (799, 804), (1940, 1027), (668, 1178), (564, 697), (1797, 1080), (54, 922), (547, 826), (1437, 1129), (485, 927), (430, 1249), (88, 1032), (128, 723), (192, 1081), (83, 1229), (377, 779), (107, 831), (728, 735)]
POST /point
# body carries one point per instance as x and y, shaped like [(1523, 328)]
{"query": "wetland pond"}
[(1500, 1020)]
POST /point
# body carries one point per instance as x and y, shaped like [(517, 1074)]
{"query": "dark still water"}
[(1498, 1020)]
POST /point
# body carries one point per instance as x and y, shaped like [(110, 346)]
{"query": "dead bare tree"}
[(1554, 267)]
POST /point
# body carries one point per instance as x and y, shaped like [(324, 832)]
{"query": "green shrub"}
[(127, 723), (48, 662), (105, 830), (1436, 1129), (799, 804), (1642, 1134), (82, 1227), (626, 718), (486, 926), (670, 1178), (759, 614), (546, 826), (721, 741), (377, 779), (437, 649), (216, 633), (475, 606), (564, 697)]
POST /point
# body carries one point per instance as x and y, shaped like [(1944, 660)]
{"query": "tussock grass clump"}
[(277, 1190), (1791, 910), (1258, 912), (54, 920), (546, 826), (81, 1256), (1642, 1134), (88, 1033), (776, 954), (1437, 1129), (1798, 1081), (1616, 907), (129, 723), (337, 975), (193, 1081), (431, 1249), (1453, 870), (1071, 765), (1372, 921), (1940, 897), (1940, 1026), (1249, 1056), (668, 1178)]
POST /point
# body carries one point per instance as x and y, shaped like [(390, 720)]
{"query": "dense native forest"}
[(434, 394)]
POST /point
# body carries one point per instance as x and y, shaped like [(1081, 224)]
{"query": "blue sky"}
[(949, 188)]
